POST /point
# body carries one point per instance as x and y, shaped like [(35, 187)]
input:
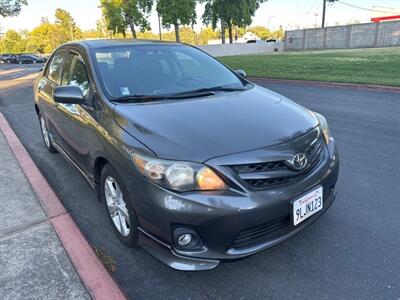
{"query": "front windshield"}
[(160, 70)]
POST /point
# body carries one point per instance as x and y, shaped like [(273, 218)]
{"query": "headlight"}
[(179, 175), (324, 126)]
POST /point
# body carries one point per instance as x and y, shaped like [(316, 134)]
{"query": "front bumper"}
[(219, 218)]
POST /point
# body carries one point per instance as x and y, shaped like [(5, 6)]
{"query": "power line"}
[(318, 2), (361, 8)]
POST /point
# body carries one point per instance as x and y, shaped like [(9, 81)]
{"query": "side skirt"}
[(88, 178)]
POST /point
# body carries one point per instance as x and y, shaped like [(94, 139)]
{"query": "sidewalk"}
[(43, 255)]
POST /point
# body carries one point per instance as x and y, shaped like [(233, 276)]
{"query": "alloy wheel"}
[(45, 133), (117, 206)]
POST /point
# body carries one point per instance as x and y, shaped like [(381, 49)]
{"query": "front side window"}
[(74, 73), (160, 70), (54, 70)]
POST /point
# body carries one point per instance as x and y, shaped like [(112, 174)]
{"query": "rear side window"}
[(54, 69)]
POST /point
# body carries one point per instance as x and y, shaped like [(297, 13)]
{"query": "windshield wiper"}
[(138, 98), (210, 90), (194, 93)]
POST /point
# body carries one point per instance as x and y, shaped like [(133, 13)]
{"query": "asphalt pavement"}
[(352, 252)]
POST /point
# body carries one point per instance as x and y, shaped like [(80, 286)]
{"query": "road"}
[(352, 252)]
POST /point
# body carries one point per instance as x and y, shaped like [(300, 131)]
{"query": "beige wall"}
[(369, 35), (239, 49)]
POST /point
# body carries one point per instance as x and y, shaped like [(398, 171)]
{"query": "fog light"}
[(184, 239)]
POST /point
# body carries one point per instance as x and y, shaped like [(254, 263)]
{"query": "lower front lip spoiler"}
[(165, 254)]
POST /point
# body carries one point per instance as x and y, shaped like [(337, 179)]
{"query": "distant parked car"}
[(40, 59), (8, 59), (29, 59)]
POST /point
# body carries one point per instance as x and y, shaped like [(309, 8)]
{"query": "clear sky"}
[(288, 13)]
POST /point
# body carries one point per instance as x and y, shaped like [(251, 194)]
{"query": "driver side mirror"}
[(241, 73), (68, 95)]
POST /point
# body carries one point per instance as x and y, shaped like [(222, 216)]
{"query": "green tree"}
[(67, 30), (230, 13), (101, 28), (46, 37), (13, 42), (206, 34), (43, 37), (177, 13), (119, 14), (215, 11), (187, 35), (147, 35), (279, 34), (9, 8), (260, 31)]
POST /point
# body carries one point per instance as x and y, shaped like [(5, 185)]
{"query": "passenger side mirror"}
[(241, 73), (68, 95)]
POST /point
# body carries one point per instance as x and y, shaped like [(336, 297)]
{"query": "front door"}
[(79, 115)]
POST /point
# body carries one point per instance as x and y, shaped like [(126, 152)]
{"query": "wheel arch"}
[(98, 166), (37, 109)]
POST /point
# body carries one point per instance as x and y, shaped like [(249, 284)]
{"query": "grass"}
[(107, 260), (365, 66)]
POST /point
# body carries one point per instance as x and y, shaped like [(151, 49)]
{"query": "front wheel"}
[(46, 136), (118, 206)]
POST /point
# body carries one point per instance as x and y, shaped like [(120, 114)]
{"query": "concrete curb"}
[(94, 276), (381, 88)]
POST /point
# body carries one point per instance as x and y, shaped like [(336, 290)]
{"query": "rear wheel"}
[(46, 136), (118, 207)]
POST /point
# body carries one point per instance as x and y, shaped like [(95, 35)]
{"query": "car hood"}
[(199, 129)]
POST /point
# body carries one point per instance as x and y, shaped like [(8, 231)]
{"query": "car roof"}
[(101, 43)]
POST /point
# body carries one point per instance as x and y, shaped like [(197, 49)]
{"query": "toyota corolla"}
[(192, 161)]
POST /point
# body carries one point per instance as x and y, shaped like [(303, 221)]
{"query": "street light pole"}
[(2, 35), (159, 25)]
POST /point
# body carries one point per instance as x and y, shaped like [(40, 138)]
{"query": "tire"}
[(46, 137), (117, 208)]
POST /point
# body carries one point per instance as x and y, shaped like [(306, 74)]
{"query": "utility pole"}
[(323, 13), (324, 10)]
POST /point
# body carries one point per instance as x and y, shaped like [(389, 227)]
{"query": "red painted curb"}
[(380, 88), (95, 277), (90, 269)]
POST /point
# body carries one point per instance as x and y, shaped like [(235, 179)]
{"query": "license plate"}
[(307, 205)]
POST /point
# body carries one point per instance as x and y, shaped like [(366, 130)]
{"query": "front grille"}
[(259, 234), (264, 183), (271, 174), (262, 167)]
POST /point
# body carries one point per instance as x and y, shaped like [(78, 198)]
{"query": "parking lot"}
[(352, 252)]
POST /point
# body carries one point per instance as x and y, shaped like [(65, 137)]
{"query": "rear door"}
[(45, 87), (57, 116)]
